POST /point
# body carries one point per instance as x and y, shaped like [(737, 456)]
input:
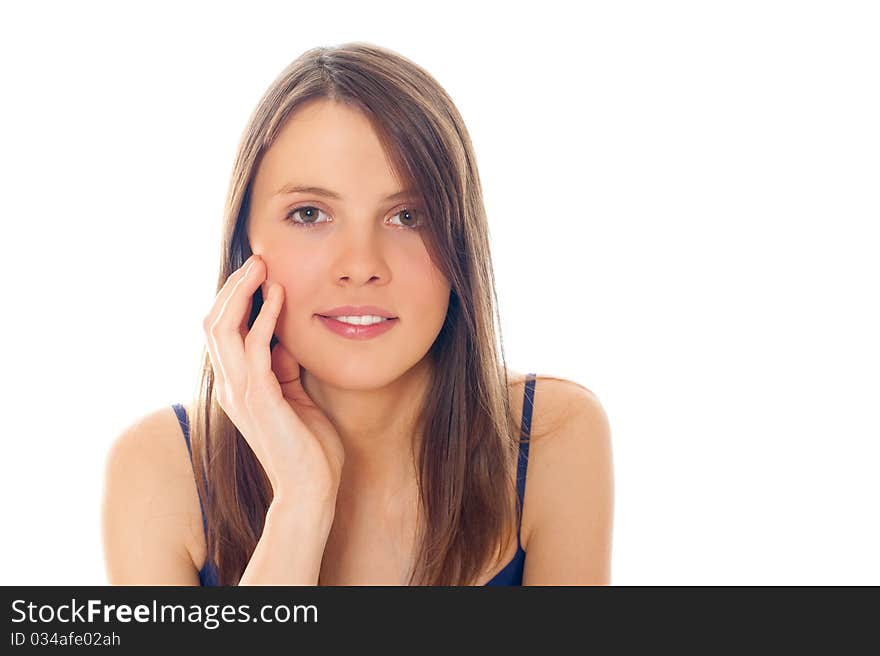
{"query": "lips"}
[(351, 331), (357, 311)]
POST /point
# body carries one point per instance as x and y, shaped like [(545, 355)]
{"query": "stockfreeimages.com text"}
[(210, 615)]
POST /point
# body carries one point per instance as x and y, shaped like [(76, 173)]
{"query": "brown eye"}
[(410, 218), (307, 214)]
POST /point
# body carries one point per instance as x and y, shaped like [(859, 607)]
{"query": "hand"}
[(261, 393)]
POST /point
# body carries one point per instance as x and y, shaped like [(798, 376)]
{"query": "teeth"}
[(366, 320)]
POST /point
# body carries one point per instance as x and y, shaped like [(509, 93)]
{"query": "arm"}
[(148, 481), (291, 547), (144, 522), (571, 481)]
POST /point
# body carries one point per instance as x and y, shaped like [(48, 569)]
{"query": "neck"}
[(377, 429)]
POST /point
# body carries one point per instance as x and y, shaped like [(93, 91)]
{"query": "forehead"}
[(327, 144)]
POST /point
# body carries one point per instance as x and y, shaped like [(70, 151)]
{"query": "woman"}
[(355, 423)]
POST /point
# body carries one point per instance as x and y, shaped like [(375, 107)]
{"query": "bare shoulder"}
[(156, 437), (568, 508), (557, 403), (148, 498), (561, 404)]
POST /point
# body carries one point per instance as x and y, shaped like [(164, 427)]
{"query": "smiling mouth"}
[(329, 317)]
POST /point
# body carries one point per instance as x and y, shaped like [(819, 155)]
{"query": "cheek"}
[(427, 290), (299, 280), (419, 287)]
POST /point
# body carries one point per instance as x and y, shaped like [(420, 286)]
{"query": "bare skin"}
[(369, 543), (358, 249), (153, 528), (361, 250)]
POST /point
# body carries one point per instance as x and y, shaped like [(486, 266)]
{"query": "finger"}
[(211, 318), (232, 310), (225, 292), (256, 344), (226, 330)]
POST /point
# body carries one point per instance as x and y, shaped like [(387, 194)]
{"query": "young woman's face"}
[(358, 249)]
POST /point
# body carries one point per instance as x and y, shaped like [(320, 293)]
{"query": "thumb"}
[(289, 374), (284, 365)]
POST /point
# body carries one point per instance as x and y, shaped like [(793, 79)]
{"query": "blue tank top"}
[(511, 574)]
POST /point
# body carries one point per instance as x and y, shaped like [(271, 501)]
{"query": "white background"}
[(682, 198)]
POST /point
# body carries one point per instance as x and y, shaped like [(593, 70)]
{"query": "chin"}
[(357, 374)]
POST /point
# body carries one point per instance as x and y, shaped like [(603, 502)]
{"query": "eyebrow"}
[(320, 191)]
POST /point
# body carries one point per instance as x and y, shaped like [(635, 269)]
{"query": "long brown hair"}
[(470, 433)]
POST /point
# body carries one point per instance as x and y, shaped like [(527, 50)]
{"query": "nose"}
[(361, 257)]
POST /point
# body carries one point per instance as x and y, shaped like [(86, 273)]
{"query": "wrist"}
[(311, 509)]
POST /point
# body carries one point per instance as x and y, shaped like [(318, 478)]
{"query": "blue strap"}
[(180, 411), (522, 464)]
